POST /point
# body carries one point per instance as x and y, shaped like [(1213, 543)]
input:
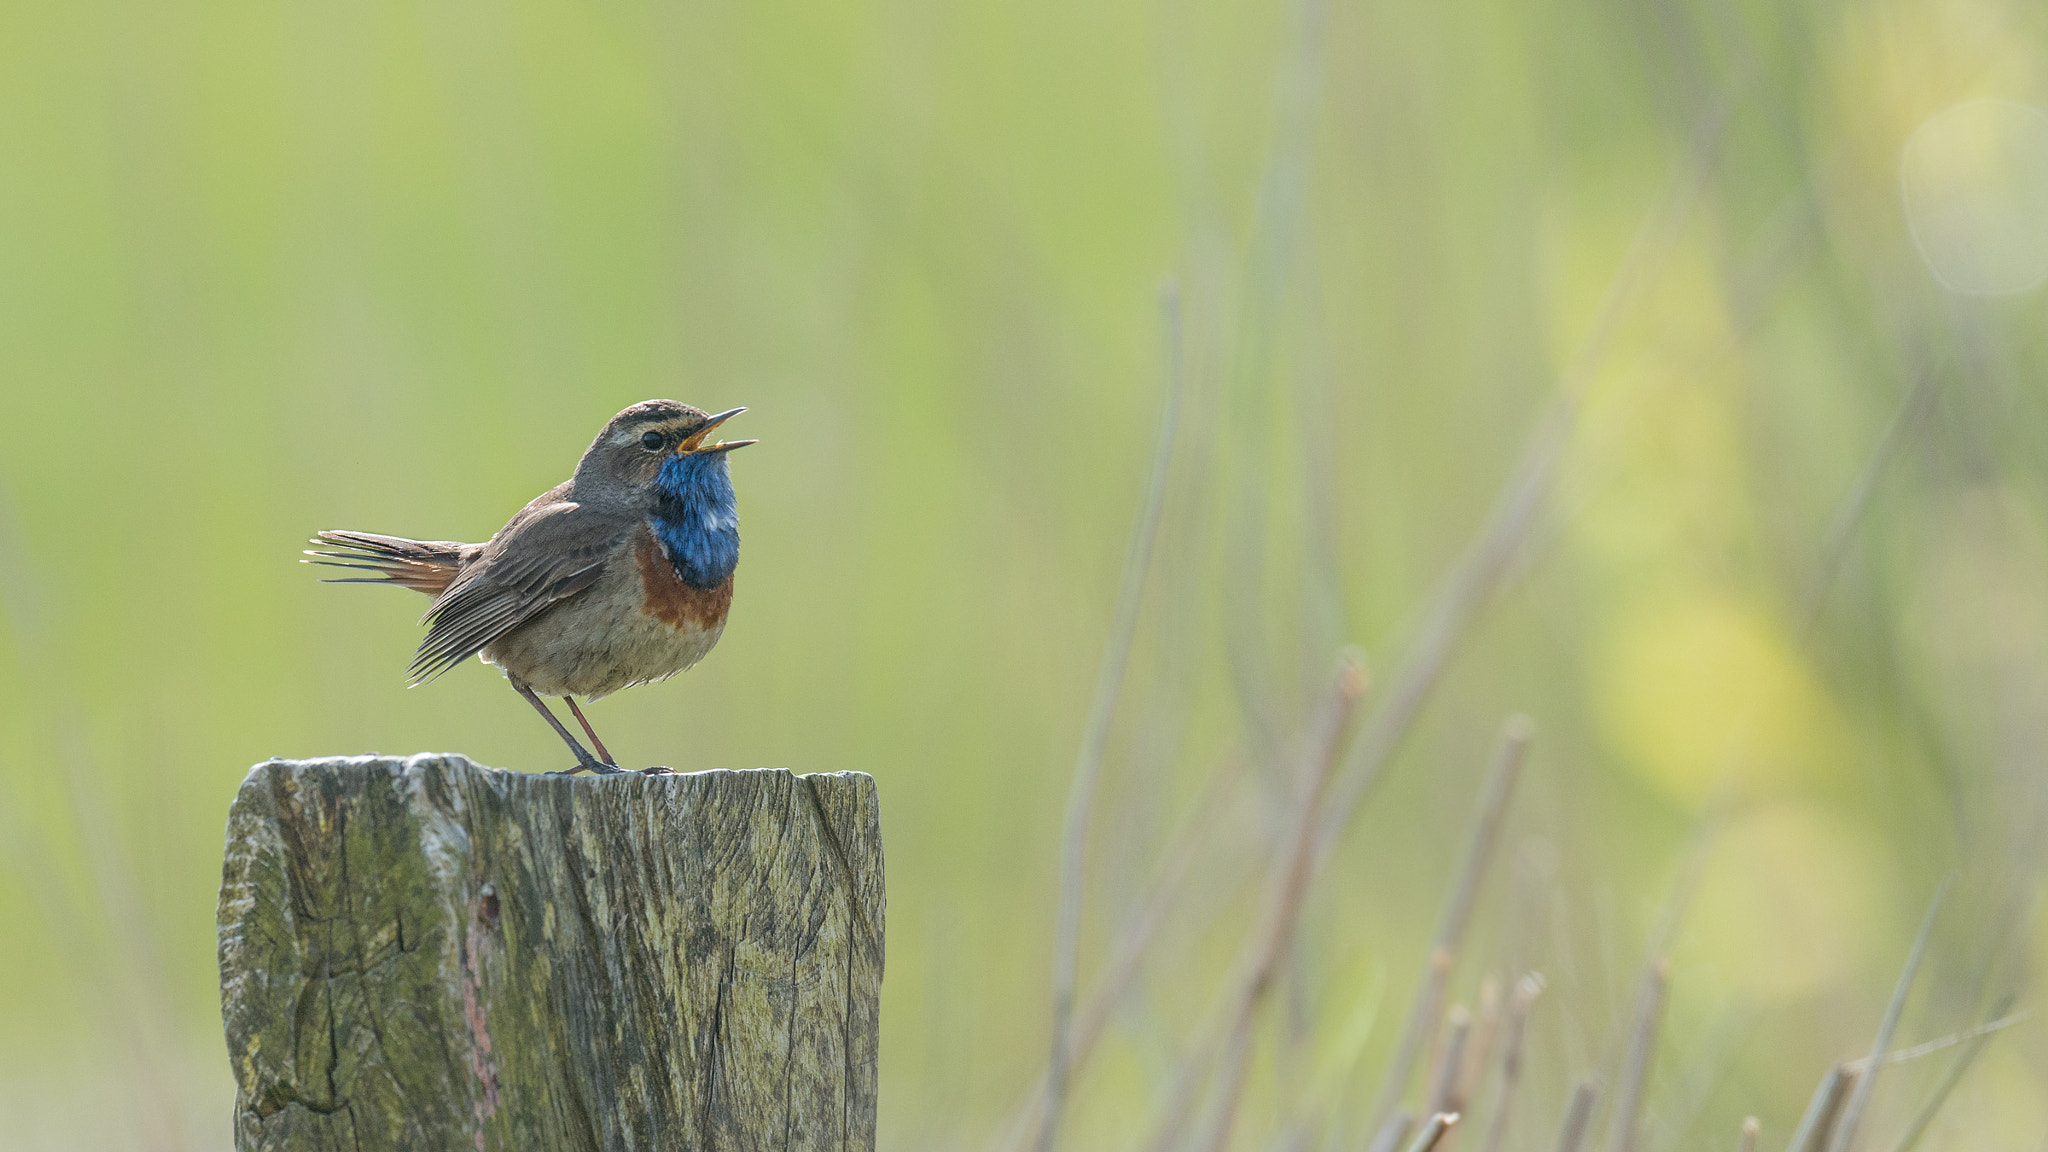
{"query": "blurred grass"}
[(267, 270)]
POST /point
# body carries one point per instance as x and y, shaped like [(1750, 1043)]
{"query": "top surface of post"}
[(421, 952)]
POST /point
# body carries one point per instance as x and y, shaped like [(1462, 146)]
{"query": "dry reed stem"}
[(1906, 422), (1391, 1133), (1979, 1038), (1486, 559), (1845, 1131), (1279, 222), (1151, 915), (2001, 1021), (1700, 138), (1479, 1051), (1188, 1077), (1480, 568), (1527, 989), (1289, 886), (1443, 1082), (1290, 883), (1133, 940), (1578, 1116), (1635, 1071), (1819, 1120), (1456, 915), (1433, 1133), (1419, 1034), (1109, 683), (1236, 1066)]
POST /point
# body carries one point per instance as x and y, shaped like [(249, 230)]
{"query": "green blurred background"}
[(266, 269)]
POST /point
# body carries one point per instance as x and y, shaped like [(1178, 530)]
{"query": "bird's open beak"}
[(695, 441)]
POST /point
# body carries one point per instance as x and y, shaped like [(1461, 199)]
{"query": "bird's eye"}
[(651, 441)]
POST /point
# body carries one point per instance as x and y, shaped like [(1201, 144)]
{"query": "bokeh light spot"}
[(1974, 179), (1703, 691), (1789, 896)]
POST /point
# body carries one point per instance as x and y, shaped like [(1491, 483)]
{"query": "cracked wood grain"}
[(423, 953)]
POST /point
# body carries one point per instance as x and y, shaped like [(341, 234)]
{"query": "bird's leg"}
[(589, 731), (584, 760)]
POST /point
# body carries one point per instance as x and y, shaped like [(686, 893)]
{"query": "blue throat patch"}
[(696, 518)]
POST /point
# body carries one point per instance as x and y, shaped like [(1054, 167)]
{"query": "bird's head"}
[(631, 450)]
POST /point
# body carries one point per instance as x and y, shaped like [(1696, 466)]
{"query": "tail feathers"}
[(421, 565)]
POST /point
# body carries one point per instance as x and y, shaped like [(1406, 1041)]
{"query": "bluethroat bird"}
[(620, 575)]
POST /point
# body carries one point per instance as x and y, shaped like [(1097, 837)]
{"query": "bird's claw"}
[(658, 770), (594, 767)]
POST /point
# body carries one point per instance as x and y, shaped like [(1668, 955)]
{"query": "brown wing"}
[(552, 549)]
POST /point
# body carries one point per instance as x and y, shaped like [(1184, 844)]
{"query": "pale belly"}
[(600, 641)]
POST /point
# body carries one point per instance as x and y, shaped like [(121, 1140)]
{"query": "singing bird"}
[(620, 575)]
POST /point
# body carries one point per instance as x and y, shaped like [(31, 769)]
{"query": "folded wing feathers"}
[(454, 639), (474, 613), (480, 591)]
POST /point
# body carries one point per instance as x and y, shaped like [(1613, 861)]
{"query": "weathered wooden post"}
[(423, 953)]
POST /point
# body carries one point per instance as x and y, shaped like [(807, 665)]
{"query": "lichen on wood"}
[(423, 953)]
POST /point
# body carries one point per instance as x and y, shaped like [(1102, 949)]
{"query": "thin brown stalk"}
[(1653, 985), (1479, 1051), (1852, 1113), (1133, 941), (1635, 1071), (1280, 222), (1290, 884), (1138, 934), (1189, 1074), (1391, 1133), (1819, 1120), (1263, 949), (1527, 989), (1578, 1116), (1237, 1059), (1954, 1076), (1480, 569), (1999, 1024), (1487, 558), (1456, 915), (1746, 1142), (1907, 420), (1420, 1032), (1088, 763), (1709, 1062), (1443, 1083), (1433, 1133)]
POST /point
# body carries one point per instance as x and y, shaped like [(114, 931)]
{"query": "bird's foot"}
[(658, 770), (594, 766)]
